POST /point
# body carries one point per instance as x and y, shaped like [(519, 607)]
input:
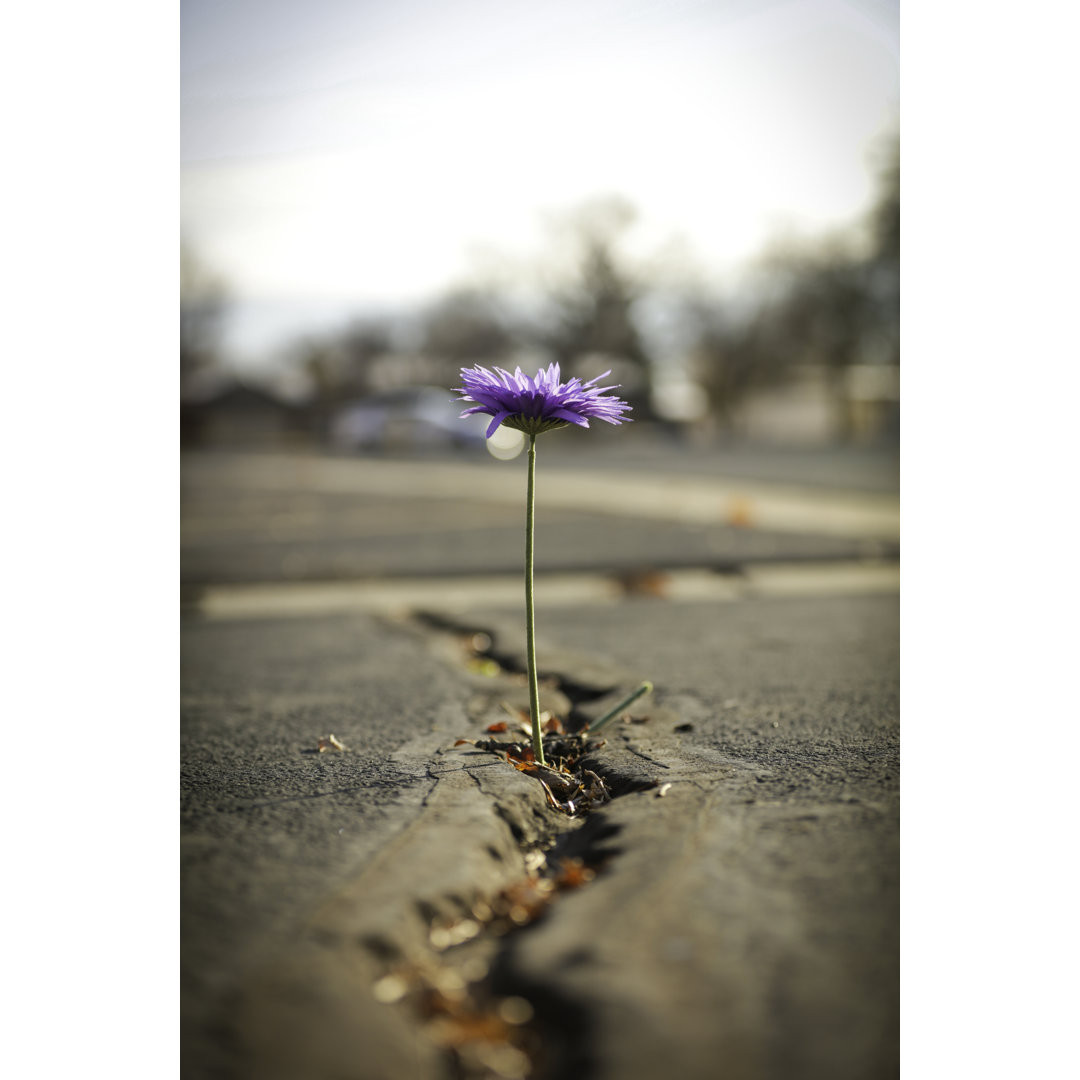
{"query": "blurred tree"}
[(363, 342), (469, 326), (885, 215), (731, 356), (203, 297), (319, 360), (842, 303), (833, 303), (825, 309), (884, 263), (339, 366), (591, 307)]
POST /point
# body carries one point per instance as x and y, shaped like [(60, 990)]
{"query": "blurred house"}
[(799, 410), (227, 412), (817, 406), (872, 399)]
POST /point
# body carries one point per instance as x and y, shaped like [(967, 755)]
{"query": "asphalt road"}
[(748, 917), (268, 824), (258, 518)]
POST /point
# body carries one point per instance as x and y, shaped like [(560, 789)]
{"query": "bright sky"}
[(366, 150)]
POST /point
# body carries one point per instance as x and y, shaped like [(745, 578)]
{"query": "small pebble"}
[(389, 989), (515, 1010)]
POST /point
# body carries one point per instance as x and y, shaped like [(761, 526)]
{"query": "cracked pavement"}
[(743, 923)]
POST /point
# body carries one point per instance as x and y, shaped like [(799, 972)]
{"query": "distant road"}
[(848, 468), (701, 497), (261, 518)]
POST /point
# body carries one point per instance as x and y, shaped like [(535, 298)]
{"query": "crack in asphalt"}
[(555, 1040)]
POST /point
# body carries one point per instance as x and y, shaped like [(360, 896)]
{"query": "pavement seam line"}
[(400, 596)]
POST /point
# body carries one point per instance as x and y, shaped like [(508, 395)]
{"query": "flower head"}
[(543, 403)]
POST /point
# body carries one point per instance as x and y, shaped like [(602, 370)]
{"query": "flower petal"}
[(499, 418), (569, 417)]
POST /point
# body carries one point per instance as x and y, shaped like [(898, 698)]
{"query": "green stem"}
[(530, 611), (626, 702)]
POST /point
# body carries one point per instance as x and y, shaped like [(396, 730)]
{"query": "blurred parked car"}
[(414, 417)]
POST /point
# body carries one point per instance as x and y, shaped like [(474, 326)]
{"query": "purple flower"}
[(539, 404)]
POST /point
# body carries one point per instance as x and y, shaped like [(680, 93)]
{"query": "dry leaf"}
[(457, 1030), (740, 512), (553, 724), (645, 582), (573, 873), (331, 742)]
